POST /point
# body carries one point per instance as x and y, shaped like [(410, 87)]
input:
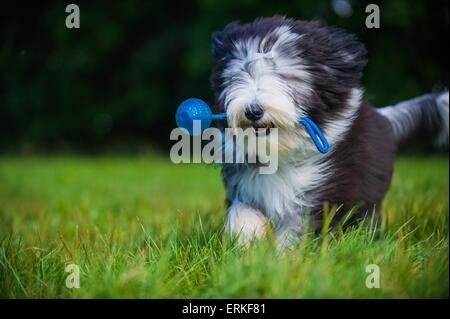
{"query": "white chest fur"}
[(281, 192)]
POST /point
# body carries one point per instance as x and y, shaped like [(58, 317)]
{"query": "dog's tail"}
[(425, 116)]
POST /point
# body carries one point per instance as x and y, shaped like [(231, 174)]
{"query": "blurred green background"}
[(116, 82)]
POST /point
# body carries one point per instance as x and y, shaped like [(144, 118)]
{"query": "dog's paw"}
[(286, 241), (245, 222)]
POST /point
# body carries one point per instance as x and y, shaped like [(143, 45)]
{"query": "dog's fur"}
[(296, 68)]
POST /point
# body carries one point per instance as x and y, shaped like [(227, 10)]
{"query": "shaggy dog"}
[(270, 72)]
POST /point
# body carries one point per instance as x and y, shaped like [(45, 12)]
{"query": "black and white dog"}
[(270, 72)]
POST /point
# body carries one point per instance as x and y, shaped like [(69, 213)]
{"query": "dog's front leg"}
[(288, 231), (245, 222)]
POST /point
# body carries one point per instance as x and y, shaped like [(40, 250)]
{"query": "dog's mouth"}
[(262, 129)]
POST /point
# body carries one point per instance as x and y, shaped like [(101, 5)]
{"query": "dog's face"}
[(272, 71)]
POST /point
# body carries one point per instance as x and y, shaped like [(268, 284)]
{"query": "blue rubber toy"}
[(196, 109)]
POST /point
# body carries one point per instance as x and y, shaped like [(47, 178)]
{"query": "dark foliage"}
[(119, 78)]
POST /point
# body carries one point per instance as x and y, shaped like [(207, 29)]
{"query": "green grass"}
[(143, 227)]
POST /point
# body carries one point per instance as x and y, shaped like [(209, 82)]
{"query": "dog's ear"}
[(217, 44), (219, 38), (342, 53), (349, 54)]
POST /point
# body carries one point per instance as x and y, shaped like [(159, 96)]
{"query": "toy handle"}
[(219, 117), (316, 134)]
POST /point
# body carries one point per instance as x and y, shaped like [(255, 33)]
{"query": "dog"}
[(267, 74)]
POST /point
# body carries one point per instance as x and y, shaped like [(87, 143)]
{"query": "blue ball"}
[(190, 110)]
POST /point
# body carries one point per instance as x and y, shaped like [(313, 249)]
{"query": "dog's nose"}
[(254, 112)]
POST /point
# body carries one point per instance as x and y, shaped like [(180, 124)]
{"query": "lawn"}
[(144, 227)]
